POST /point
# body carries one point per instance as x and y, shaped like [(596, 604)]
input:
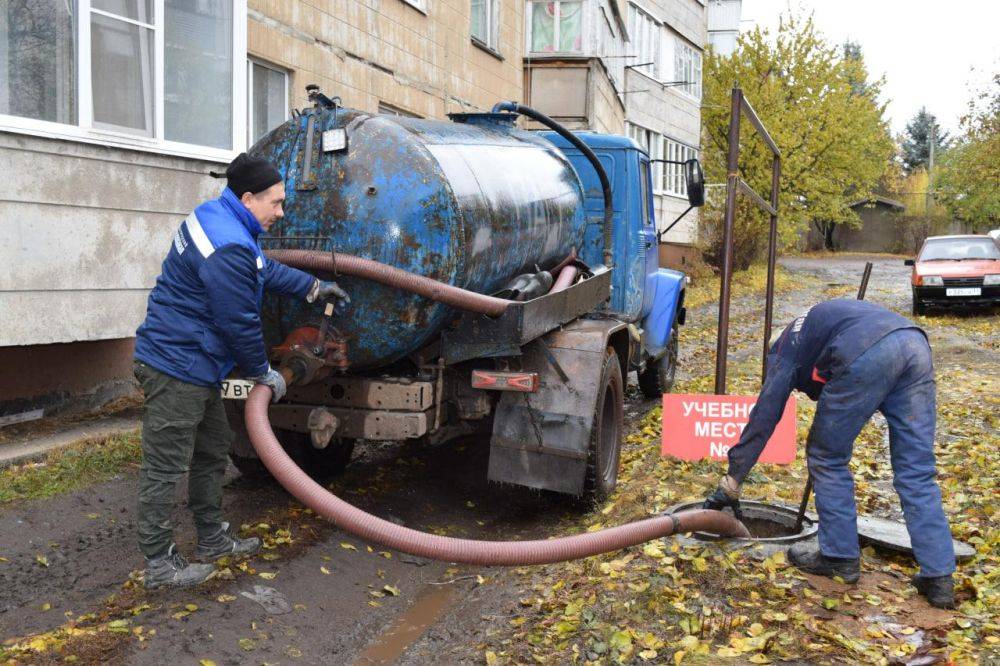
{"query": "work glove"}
[(322, 291), (273, 379), (727, 494)]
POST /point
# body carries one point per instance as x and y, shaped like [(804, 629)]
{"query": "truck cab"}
[(648, 297)]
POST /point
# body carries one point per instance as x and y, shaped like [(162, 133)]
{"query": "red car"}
[(956, 270)]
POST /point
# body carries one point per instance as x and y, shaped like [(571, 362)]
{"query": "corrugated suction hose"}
[(449, 549), (463, 299)]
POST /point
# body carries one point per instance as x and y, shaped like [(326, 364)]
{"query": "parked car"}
[(956, 271)]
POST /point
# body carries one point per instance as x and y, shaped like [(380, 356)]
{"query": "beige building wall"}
[(387, 51)]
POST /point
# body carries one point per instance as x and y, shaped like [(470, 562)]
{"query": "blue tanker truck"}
[(549, 235)]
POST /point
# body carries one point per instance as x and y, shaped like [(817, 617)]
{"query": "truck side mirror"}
[(695, 182), (908, 262)]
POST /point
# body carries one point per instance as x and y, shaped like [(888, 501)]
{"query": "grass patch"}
[(751, 281), (76, 466)]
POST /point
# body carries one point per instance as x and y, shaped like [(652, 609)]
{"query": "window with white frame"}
[(673, 179), (485, 23), (644, 33), (555, 26), (652, 143), (267, 98), (156, 74), (687, 67)]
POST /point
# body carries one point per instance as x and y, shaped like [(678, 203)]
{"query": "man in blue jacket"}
[(855, 358), (202, 319)]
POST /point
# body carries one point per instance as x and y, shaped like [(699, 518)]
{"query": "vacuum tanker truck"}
[(502, 282)]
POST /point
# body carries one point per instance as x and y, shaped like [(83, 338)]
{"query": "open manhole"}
[(767, 523)]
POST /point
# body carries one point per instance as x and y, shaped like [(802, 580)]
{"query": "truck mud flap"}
[(540, 440)]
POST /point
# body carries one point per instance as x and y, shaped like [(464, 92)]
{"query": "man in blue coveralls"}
[(202, 319), (855, 358)]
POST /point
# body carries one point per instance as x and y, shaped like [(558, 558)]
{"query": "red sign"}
[(707, 426)]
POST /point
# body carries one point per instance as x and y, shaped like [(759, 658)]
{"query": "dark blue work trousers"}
[(896, 377)]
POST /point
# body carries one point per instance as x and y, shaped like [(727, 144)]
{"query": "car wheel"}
[(918, 307)]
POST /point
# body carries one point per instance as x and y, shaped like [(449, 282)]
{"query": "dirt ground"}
[(68, 564)]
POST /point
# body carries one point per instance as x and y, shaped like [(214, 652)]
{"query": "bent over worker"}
[(202, 318), (855, 358)]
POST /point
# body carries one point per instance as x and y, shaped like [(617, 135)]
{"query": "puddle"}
[(407, 628)]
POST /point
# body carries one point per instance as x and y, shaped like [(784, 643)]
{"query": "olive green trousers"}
[(184, 430)]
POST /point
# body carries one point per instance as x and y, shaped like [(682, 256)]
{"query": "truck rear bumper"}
[(356, 423)]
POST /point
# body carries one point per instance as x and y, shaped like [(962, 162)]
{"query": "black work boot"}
[(939, 590), (172, 570), (807, 558), (221, 544)]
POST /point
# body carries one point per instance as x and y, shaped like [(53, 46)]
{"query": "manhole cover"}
[(767, 523), (892, 535)]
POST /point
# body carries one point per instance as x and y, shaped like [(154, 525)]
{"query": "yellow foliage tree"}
[(824, 114)]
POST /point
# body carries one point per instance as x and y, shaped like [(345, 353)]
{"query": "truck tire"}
[(604, 452), (658, 377)]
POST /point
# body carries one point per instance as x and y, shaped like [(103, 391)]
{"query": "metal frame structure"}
[(735, 183)]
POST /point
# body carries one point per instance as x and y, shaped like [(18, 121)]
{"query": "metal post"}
[(864, 281), (772, 257), (732, 165)]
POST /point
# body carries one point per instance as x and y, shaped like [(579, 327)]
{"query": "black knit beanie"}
[(249, 174)]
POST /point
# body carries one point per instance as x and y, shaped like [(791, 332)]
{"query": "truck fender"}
[(667, 307), (540, 440)]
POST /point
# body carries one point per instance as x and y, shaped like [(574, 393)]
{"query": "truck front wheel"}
[(604, 452), (658, 377)]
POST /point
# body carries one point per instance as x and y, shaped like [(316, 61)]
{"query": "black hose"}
[(514, 107)]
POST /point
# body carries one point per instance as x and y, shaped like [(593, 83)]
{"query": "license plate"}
[(236, 389), (963, 291)]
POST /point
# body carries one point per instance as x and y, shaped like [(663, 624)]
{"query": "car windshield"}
[(958, 249)]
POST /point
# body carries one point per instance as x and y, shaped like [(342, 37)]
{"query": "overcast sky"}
[(931, 52)]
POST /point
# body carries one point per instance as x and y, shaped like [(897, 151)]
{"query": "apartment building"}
[(628, 67), (112, 112)]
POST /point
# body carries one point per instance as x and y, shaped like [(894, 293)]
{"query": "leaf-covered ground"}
[(672, 602)]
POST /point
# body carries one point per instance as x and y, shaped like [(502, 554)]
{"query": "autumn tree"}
[(915, 144), (823, 112), (968, 181)]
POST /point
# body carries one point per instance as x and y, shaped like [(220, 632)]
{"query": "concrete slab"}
[(34, 447), (892, 534)]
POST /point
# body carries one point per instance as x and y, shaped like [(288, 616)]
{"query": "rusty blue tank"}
[(472, 202)]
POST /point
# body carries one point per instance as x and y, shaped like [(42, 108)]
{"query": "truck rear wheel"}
[(658, 377), (604, 452)]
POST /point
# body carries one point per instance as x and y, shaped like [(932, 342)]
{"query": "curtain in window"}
[(268, 99), (480, 20), (198, 72), (543, 27), (570, 26), (121, 71), (38, 59)]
